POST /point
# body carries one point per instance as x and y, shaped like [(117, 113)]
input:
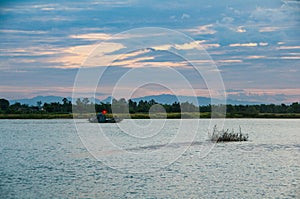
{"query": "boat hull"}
[(108, 120)]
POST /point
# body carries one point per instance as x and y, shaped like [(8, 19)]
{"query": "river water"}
[(148, 159)]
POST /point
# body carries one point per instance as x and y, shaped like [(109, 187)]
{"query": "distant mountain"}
[(163, 99), (169, 99), (107, 100), (45, 99)]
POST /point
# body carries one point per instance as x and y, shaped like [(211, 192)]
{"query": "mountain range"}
[(163, 99)]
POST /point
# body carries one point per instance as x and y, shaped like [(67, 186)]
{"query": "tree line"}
[(123, 106)]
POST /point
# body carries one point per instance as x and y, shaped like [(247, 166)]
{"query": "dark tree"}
[(39, 104), (132, 106), (85, 101), (119, 106), (176, 107), (79, 102), (65, 101), (4, 104), (295, 107)]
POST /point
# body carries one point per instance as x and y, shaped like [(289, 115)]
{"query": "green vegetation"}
[(226, 136), (84, 109)]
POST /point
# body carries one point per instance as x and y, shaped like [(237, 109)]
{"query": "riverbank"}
[(146, 115)]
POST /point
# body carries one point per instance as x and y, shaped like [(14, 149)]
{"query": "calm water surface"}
[(47, 159)]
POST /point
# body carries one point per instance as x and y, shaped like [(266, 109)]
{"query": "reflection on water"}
[(45, 158)]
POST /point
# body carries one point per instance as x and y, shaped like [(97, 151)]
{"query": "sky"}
[(254, 44)]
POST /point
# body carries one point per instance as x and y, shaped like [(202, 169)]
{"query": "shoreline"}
[(205, 115)]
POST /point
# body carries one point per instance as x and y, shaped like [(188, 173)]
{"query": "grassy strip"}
[(146, 115), (279, 115), (37, 116)]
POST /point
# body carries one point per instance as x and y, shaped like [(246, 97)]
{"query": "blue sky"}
[(255, 44)]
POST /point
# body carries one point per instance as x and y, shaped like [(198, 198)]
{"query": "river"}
[(148, 159)]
